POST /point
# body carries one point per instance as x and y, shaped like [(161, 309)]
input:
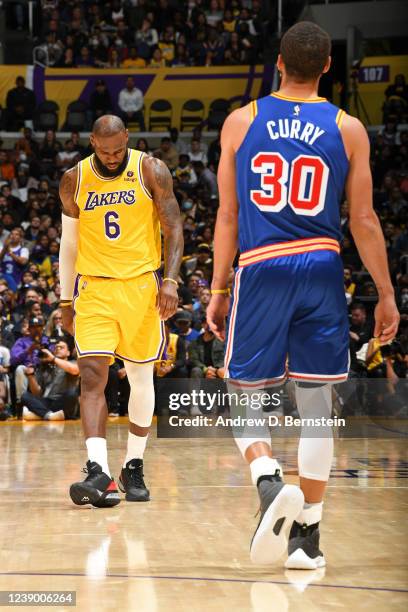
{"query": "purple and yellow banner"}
[(238, 84)]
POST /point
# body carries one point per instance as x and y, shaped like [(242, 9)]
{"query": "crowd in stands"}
[(143, 33), (37, 360)]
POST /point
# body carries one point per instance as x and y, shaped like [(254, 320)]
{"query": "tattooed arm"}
[(160, 184), (67, 192), (69, 244)]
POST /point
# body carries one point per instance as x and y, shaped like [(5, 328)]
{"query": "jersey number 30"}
[(307, 178)]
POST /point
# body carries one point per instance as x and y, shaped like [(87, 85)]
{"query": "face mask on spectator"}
[(187, 205)]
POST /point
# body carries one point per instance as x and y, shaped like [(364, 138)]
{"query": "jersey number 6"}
[(112, 229), (307, 176)]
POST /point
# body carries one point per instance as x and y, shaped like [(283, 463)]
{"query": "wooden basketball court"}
[(187, 549)]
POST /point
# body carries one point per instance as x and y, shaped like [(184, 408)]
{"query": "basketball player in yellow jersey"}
[(114, 203)]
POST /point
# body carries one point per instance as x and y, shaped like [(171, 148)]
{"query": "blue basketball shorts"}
[(288, 318)]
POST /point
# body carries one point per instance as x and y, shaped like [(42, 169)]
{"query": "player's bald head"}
[(107, 126), (109, 139)]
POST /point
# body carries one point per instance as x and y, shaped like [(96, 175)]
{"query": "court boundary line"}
[(209, 579)]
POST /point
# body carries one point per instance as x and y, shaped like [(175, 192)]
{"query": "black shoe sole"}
[(82, 495), (130, 497)]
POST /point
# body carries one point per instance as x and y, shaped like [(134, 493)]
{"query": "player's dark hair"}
[(305, 49)]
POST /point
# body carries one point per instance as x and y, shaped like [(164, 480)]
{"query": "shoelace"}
[(90, 473), (136, 476)]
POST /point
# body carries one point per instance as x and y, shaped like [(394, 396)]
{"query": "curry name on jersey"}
[(291, 170), (119, 230)]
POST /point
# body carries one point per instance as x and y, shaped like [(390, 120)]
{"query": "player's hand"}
[(67, 314), (386, 319), (217, 311), (167, 300)]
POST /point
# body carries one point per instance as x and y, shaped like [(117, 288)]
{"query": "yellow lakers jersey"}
[(119, 230)]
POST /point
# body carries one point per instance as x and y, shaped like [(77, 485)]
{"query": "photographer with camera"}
[(25, 352), (53, 386)]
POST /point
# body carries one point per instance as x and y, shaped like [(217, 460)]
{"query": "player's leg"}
[(140, 344), (318, 357), (140, 409), (96, 337), (255, 359), (98, 488), (315, 456)]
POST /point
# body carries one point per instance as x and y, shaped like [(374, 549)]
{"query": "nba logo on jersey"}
[(296, 110)]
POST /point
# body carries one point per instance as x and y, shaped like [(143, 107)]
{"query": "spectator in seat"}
[(28, 144), (360, 333), (4, 378), (195, 153), (229, 21), (131, 104), (200, 308), (157, 60), (206, 355), (178, 142), (26, 353), (20, 104), (207, 179), (133, 60), (68, 157), (7, 169), (183, 320), (13, 257), (167, 152), (85, 59), (398, 89), (53, 387), (349, 285), (146, 38), (49, 149), (214, 14), (142, 145), (100, 102), (185, 174), (78, 148), (167, 45)]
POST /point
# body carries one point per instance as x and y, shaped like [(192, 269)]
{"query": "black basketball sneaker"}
[(303, 547), (131, 482), (280, 505), (97, 489)]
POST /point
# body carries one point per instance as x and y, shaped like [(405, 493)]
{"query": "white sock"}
[(98, 451), (263, 466), (311, 514), (135, 447)]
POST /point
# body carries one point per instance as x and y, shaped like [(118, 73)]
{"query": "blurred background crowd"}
[(38, 372)]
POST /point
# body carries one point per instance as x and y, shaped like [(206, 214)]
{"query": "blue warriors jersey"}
[(291, 170)]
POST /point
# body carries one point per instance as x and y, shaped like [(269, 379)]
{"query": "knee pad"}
[(141, 399), (315, 452)]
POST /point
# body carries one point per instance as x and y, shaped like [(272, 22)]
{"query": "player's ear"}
[(279, 63), (327, 66), (92, 140)]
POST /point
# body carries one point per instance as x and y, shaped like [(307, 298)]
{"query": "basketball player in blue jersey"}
[(286, 160)]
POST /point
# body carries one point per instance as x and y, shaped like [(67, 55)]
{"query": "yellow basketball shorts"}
[(115, 317)]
